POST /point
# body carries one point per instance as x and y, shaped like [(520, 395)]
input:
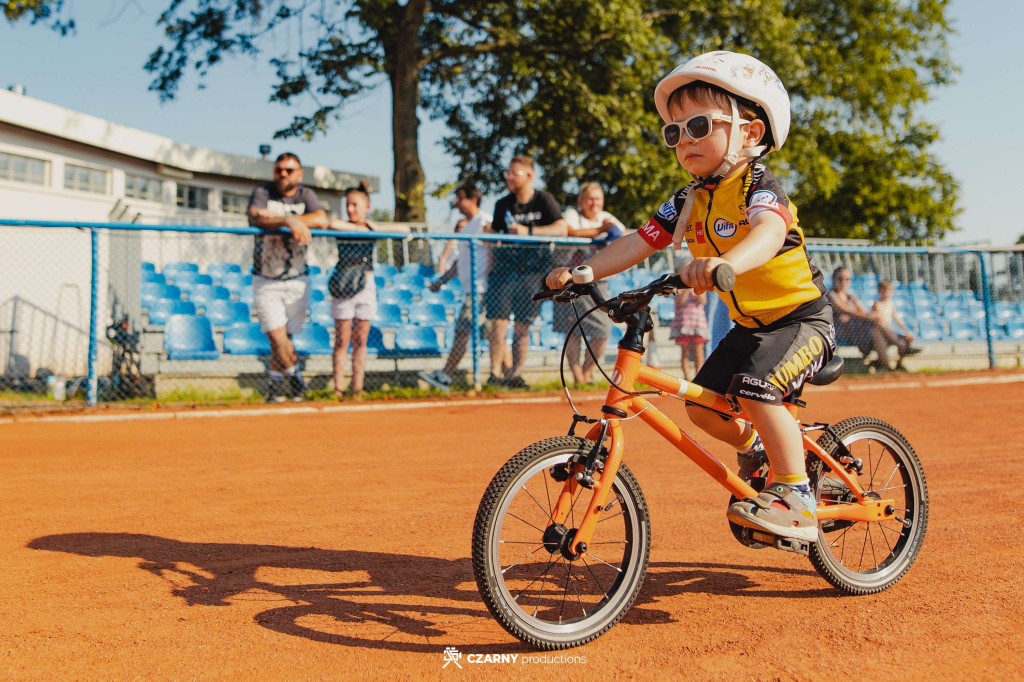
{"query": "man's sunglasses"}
[(285, 171), (697, 128)]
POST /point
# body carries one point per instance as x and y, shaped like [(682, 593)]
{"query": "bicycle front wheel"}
[(531, 584), (867, 557)]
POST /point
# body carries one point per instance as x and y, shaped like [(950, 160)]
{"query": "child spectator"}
[(690, 329), (886, 316)]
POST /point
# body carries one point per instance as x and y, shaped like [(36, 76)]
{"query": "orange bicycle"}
[(562, 536)]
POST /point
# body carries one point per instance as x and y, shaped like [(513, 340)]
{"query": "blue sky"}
[(99, 72)]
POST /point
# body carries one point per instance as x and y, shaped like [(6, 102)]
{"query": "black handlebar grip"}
[(724, 277), (547, 293)]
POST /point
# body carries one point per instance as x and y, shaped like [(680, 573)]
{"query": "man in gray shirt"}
[(280, 284)]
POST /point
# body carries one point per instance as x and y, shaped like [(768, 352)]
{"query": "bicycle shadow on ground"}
[(667, 579), (397, 602)]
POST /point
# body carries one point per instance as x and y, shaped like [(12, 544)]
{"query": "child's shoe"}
[(780, 510), (438, 379)]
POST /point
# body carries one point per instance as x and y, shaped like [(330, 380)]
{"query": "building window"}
[(22, 169), (230, 202), (140, 187), (190, 196), (84, 179)]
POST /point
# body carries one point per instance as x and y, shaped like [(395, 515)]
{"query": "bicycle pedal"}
[(760, 539)]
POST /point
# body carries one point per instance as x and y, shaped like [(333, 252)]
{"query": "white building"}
[(62, 165)]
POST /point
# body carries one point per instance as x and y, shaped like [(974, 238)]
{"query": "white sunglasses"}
[(696, 128)]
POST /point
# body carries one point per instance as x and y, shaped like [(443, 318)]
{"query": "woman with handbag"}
[(353, 292)]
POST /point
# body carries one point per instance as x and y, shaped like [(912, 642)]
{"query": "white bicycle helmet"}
[(743, 76)]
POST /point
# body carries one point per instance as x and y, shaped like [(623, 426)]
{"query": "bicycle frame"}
[(629, 370)]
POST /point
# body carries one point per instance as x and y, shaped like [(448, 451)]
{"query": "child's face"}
[(703, 157), (357, 206), (884, 293)]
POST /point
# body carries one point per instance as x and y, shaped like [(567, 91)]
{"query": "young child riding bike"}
[(723, 112)]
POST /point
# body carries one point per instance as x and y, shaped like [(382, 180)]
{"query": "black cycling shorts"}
[(771, 362)]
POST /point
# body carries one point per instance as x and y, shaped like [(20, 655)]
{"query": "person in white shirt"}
[(467, 202), (590, 220), (887, 321)]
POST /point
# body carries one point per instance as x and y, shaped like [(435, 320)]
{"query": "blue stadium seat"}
[(150, 277), (152, 292), (202, 295), (187, 279), (219, 269), (222, 313), (245, 338), (385, 270), (666, 311), (389, 316), (320, 313), (412, 340), (547, 310), (314, 270), (963, 330), (428, 314), (446, 297), (316, 295), (160, 311), (402, 297), (146, 266), (375, 342), (413, 281), (421, 269), (189, 337), (245, 295), (551, 339), (314, 339), (1015, 330), (930, 329), (614, 337), (179, 266), (236, 281)]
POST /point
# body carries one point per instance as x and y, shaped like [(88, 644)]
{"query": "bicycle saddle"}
[(829, 373)]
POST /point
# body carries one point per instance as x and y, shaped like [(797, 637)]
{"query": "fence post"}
[(988, 310), (94, 289), (469, 289)]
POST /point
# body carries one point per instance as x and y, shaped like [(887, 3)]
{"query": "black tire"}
[(533, 590), (860, 557)]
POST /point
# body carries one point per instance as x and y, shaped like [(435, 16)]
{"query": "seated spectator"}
[(852, 320), (886, 317)]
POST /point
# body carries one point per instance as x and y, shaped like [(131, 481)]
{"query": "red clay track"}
[(336, 545)]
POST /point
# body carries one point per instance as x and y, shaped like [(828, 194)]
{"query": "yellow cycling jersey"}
[(720, 219)]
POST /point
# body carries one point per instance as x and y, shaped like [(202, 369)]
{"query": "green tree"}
[(570, 82)]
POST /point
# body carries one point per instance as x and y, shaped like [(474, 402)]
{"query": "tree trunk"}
[(404, 76)]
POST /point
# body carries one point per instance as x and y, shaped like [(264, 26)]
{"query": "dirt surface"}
[(335, 544)]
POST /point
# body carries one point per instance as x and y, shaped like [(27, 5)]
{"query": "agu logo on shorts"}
[(723, 228)]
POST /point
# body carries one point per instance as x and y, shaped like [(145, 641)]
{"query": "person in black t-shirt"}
[(518, 270)]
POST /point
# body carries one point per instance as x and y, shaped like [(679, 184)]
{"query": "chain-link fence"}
[(174, 311)]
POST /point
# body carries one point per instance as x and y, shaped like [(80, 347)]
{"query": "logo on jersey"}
[(763, 198), (699, 231), (723, 228), (667, 211)]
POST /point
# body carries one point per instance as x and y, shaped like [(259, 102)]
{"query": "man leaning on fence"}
[(280, 284), (518, 270)]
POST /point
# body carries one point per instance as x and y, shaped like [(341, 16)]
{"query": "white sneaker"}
[(438, 379)]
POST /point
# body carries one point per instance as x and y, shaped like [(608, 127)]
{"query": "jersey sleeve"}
[(658, 230), (550, 210), (766, 194)]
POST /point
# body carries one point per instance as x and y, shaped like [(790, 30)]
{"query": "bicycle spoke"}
[(594, 576), (528, 555), (579, 601), (565, 591), (606, 518), (594, 556), (526, 522), (546, 513)]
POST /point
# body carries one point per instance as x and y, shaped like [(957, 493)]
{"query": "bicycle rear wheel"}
[(534, 588), (868, 557)]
